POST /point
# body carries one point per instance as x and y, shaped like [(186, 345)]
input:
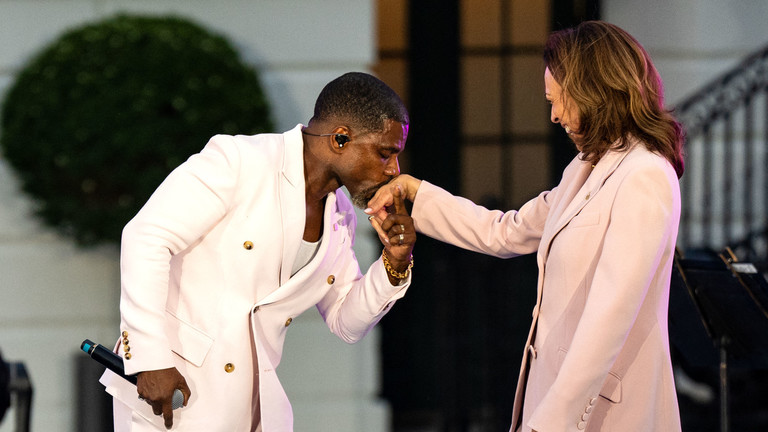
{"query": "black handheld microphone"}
[(114, 363)]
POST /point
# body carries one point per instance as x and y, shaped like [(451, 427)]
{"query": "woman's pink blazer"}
[(597, 356)]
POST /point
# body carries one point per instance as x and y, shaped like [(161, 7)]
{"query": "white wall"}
[(692, 41), (53, 295)]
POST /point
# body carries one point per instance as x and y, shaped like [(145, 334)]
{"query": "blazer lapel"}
[(574, 202), (332, 237), (291, 199)]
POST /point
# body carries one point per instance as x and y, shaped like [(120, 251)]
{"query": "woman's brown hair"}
[(617, 90)]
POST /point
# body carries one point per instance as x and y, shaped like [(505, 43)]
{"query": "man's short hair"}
[(361, 99)]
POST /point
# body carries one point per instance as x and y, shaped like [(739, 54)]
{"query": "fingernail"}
[(368, 210), (370, 218)]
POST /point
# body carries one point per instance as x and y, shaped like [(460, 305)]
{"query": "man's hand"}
[(156, 388), (397, 234)]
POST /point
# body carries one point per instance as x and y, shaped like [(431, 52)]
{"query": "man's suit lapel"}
[(292, 200), (333, 236)]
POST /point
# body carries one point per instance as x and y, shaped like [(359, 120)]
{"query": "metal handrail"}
[(725, 187), (722, 95)]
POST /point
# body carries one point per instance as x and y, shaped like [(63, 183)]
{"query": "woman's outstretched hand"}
[(381, 202)]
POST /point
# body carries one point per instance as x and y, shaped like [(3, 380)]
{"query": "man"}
[(241, 239)]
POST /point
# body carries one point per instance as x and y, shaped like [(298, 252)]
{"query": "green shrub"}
[(96, 121)]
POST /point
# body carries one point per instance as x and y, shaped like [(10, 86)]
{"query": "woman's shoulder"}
[(639, 154), (642, 161)]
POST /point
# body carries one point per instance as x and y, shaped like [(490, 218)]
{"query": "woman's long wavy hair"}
[(610, 78)]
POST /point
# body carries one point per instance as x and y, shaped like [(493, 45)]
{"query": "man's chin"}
[(361, 199), (360, 202)]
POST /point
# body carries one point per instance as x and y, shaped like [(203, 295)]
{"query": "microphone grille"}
[(178, 399)]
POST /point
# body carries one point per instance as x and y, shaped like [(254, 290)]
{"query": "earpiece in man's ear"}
[(342, 139)]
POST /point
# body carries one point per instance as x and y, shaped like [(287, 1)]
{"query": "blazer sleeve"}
[(640, 235), (356, 302), (462, 223), (189, 202)]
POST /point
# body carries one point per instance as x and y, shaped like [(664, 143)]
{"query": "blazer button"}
[(288, 322), (331, 279), (229, 368), (125, 334), (248, 245), (127, 356)]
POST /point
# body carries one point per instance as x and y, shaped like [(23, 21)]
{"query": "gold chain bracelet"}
[(392, 271)]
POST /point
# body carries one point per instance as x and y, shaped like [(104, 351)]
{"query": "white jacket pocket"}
[(191, 343)]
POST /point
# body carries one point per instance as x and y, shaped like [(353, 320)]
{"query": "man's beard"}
[(360, 199)]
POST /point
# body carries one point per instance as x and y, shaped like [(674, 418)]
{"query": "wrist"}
[(399, 269), (412, 185), (413, 190)]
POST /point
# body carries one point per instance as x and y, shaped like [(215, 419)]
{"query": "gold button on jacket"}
[(248, 245), (331, 279), (229, 368), (288, 322), (126, 345)]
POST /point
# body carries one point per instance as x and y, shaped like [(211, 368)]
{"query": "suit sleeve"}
[(640, 234), (462, 223), (189, 202), (357, 302)]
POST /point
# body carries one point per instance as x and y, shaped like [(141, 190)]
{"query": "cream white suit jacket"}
[(205, 270), (597, 356)]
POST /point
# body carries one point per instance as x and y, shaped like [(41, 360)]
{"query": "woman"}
[(597, 356)]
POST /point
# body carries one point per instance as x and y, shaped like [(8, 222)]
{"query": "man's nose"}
[(393, 168)]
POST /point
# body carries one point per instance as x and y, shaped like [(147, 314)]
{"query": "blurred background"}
[(446, 358)]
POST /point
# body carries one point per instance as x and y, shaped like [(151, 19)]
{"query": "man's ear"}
[(340, 139)]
